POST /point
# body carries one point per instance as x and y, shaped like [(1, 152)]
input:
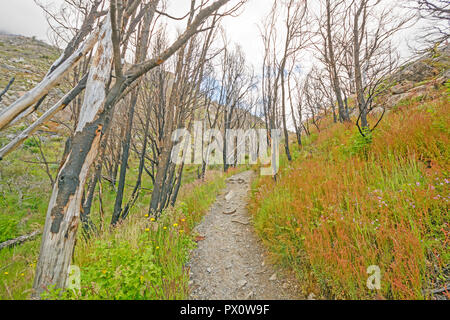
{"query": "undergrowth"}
[(348, 202)]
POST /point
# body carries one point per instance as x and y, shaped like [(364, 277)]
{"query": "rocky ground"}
[(27, 60), (230, 262)]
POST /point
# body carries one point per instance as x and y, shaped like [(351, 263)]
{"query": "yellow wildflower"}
[(6, 272), (147, 230), (175, 225)]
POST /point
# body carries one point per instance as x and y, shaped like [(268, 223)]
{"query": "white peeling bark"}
[(98, 77), (63, 214)]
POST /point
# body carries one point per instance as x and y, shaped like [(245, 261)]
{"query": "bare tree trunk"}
[(64, 208), (357, 36), (283, 112), (333, 68), (124, 160), (137, 187)]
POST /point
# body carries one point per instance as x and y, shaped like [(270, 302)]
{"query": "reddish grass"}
[(333, 214)]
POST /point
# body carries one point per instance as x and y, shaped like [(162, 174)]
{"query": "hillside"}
[(26, 184), (25, 59), (145, 181), (347, 202)]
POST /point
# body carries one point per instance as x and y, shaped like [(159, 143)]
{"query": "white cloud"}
[(23, 17)]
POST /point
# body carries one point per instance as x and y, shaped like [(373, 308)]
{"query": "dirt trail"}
[(230, 263)]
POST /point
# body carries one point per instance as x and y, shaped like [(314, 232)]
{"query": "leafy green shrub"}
[(31, 145), (119, 271), (360, 144)]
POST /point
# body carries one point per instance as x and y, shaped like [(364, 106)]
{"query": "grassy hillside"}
[(27, 60), (115, 265), (131, 255), (347, 202)]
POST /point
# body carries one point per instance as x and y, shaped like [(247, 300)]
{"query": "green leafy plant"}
[(360, 143)]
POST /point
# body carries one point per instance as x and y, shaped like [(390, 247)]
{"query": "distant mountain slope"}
[(26, 59)]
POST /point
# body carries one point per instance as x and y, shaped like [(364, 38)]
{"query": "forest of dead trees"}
[(131, 87)]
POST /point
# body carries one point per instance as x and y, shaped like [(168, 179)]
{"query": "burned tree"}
[(373, 56), (100, 99)]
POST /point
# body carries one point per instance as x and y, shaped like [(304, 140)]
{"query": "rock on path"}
[(229, 264)]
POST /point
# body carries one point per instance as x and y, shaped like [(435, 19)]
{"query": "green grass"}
[(346, 203), (136, 262)]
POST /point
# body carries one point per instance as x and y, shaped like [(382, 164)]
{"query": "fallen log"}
[(20, 239)]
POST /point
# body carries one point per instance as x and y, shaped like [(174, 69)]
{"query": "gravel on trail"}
[(230, 262)]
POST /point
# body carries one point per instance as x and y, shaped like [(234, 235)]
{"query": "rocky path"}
[(230, 262)]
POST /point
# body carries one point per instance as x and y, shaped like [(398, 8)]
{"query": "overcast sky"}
[(24, 17)]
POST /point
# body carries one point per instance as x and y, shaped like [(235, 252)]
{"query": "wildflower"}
[(152, 219), (157, 248), (142, 278), (6, 273), (418, 184), (22, 274), (104, 271), (146, 216), (165, 228), (183, 220), (147, 230), (181, 231), (175, 225)]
